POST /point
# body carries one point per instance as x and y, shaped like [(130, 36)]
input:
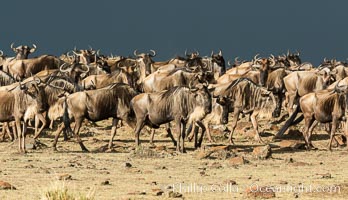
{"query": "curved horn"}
[(13, 48), (64, 70), (255, 57), (236, 60), (75, 48), (1, 53), (90, 48), (212, 53), (220, 52), (272, 62), (229, 62), (197, 53), (325, 60), (98, 52), (135, 52), (85, 71), (34, 46), (68, 55), (153, 53), (76, 53), (288, 53), (186, 53), (38, 81)]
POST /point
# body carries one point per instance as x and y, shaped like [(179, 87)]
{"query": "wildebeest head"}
[(294, 59), (23, 51), (85, 56), (36, 92), (202, 96), (220, 61), (264, 64), (144, 61), (75, 71)]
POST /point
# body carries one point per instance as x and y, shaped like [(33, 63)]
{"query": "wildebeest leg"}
[(202, 135), (113, 131), (308, 123), (234, 124), (333, 130), (169, 133), (178, 129), (78, 123), (346, 130), (291, 100), (256, 126), (206, 126), (14, 130), (12, 135), (183, 134), (23, 136), (139, 125), (277, 111), (58, 131), (5, 130), (152, 135), (18, 127), (315, 123), (39, 117)]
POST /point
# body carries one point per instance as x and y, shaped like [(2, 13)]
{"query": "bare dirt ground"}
[(144, 173)]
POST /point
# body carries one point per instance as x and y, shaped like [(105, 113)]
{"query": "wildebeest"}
[(23, 51), (15, 103), (159, 81), (179, 104), (95, 105), (218, 116), (300, 83), (246, 97), (324, 106), (102, 80), (24, 68)]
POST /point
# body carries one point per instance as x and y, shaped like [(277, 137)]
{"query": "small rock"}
[(64, 177), (296, 195), (293, 144), (147, 172), (157, 192), (127, 165), (106, 182), (215, 165), (283, 182), (161, 148), (264, 192), (263, 152), (6, 186), (239, 160), (341, 139), (203, 154), (300, 164), (136, 193), (327, 175), (172, 194), (220, 148), (230, 182)]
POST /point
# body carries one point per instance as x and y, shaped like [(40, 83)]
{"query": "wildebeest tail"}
[(291, 121), (66, 119)]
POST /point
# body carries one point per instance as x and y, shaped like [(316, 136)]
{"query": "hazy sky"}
[(241, 28)]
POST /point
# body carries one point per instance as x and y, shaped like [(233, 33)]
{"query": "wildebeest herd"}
[(189, 93)]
